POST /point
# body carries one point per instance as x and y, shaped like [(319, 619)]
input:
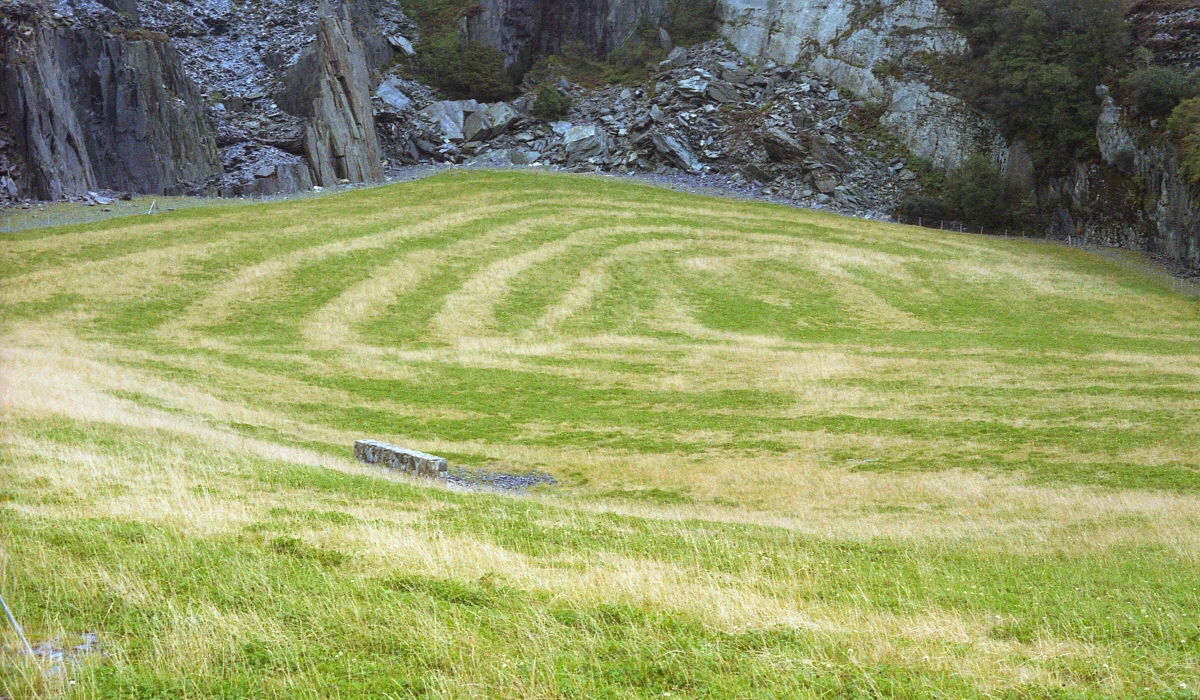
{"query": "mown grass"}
[(799, 455)]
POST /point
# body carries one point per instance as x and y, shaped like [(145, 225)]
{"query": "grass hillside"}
[(799, 455)]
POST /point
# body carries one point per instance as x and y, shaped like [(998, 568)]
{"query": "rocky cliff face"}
[(879, 51), (329, 87), (541, 26), (1135, 198), (92, 109)]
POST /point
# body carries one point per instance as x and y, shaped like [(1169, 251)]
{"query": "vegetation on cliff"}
[(1034, 67), (476, 70), (799, 455)]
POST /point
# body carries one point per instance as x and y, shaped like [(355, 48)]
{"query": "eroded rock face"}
[(848, 40), (330, 88), (542, 26), (1137, 198), (90, 110)]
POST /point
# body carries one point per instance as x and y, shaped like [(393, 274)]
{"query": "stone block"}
[(400, 458)]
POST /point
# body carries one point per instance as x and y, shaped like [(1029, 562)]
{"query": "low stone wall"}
[(409, 461)]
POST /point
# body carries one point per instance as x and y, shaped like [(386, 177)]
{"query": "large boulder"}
[(675, 152), (780, 147), (501, 116), (390, 93), (583, 142), (330, 88), (827, 153), (488, 122), (719, 91), (449, 117)]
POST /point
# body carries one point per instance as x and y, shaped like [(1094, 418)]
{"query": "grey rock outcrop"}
[(780, 146), (90, 110), (329, 87), (447, 117), (1136, 198), (543, 26), (675, 152), (583, 142), (389, 91), (847, 41)]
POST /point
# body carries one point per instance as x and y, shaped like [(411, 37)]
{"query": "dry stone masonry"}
[(400, 458)]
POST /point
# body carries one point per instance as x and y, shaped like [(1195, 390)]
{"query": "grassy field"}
[(799, 455)]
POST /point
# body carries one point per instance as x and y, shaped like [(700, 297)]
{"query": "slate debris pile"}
[(785, 133), (486, 479)]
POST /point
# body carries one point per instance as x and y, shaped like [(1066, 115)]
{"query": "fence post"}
[(920, 221)]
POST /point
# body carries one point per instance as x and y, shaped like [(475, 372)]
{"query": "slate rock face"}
[(780, 146), (330, 88), (543, 26), (92, 111)]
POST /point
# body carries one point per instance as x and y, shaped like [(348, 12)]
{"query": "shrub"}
[(550, 104), (691, 21), (975, 191), (1156, 90), (629, 63), (924, 207), (888, 69), (1033, 65), (577, 62), (1184, 125), (475, 70)]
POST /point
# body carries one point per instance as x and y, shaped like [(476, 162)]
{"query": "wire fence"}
[(49, 215), (1189, 285)]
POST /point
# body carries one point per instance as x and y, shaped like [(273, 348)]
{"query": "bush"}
[(1184, 126), (550, 104), (691, 21), (1033, 65), (629, 63), (475, 70), (975, 192), (924, 207), (1156, 90)]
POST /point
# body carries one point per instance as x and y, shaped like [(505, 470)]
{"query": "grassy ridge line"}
[(798, 452)]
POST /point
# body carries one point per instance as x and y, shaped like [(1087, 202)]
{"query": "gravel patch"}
[(489, 480)]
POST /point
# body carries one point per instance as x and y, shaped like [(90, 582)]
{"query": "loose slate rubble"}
[(487, 479), (769, 131), (785, 134), (403, 459)]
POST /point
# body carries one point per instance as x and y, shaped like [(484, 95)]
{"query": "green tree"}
[(550, 104), (1184, 126), (1155, 90), (1034, 65), (974, 191), (475, 70)]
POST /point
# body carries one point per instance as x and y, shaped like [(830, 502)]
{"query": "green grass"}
[(798, 455)]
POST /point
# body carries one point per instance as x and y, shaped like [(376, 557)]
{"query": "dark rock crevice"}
[(541, 27)]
